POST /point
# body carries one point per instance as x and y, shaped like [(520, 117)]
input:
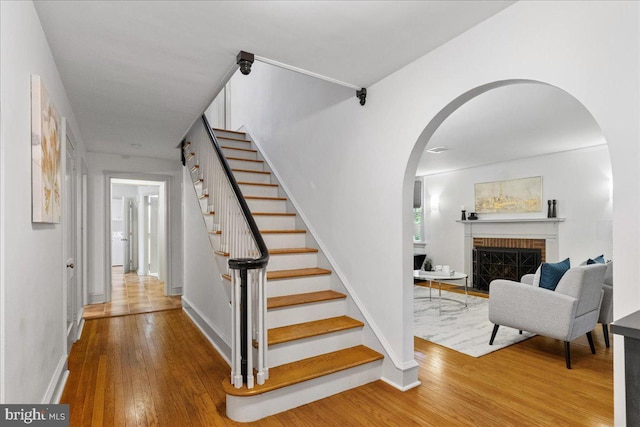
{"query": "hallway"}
[(133, 294)]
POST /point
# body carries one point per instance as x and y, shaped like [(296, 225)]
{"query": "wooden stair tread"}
[(215, 232), (282, 231), (311, 329), (264, 198), (286, 251), (273, 214), (251, 150), (261, 184), (282, 251), (203, 196), (250, 171), (209, 213), (290, 274), (307, 369), (306, 298), (233, 139), (244, 160), (230, 131)]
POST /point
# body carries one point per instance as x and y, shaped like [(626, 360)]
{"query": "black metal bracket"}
[(245, 60), (362, 94)]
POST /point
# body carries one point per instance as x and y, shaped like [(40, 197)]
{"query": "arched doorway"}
[(572, 209)]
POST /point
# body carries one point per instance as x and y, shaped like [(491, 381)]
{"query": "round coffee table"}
[(440, 277)]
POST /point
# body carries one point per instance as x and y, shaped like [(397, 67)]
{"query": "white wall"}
[(32, 293), (352, 168), (579, 180), (204, 296), (100, 165)]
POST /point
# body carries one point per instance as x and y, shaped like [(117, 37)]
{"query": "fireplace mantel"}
[(511, 228)]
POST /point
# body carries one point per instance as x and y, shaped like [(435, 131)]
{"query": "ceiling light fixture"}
[(436, 150)]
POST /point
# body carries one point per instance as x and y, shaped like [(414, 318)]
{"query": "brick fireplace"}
[(505, 258), (511, 243)]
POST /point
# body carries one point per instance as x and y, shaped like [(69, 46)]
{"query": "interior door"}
[(153, 236), (70, 244), (125, 238)]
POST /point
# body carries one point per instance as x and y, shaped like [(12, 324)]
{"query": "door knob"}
[(70, 265)]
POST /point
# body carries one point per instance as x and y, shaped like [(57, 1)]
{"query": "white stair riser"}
[(291, 261), (240, 154), (298, 285), (203, 204), (223, 133), (247, 409), (260, 205), (234, 143), (208, 220), (313, 346), (245, 164), (215, 241), (282, 241), (252, 177), (275, 222), (305, 313), (259, 190)]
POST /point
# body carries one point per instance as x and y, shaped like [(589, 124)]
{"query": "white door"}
[(70, 244), (153, 236), (129, 234)]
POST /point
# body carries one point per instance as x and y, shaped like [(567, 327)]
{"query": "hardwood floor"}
[(158, 369), (132, 294)]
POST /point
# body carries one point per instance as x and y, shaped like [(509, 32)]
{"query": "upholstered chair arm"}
[(606, 309), (531, 309), (527, 279)]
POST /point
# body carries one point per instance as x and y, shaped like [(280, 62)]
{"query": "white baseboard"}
[(57, 383), (176, 290), (96, 298), (215, 338)]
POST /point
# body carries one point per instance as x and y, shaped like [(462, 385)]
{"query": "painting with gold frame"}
[(45, 156), (511, 196)]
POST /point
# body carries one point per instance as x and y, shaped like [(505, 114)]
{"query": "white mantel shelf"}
[(509, 220)]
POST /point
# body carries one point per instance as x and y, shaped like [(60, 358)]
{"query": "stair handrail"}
[(240, 263), (248, 273)]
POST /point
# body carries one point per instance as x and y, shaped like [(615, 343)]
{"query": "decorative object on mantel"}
[(464, 215), (510, 196), (554, 213), (473, 216), (549, 209)]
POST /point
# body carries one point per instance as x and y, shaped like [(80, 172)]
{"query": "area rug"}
[(466, 330)]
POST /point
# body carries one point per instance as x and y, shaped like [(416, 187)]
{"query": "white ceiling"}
[(511, 122), (140, 72)]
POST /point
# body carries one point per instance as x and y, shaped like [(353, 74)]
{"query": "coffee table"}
[(440, 277)]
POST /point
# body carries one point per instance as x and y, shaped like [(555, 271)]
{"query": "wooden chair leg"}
[(590, 338), (605, 331), (493, 334), (567, 354)]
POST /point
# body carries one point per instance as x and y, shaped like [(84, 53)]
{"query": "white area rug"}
[(466, 330)]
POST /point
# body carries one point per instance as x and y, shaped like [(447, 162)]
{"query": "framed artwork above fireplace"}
[(510, 196)]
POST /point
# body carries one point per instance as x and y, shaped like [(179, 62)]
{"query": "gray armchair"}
[(565, 314), (606, 309)]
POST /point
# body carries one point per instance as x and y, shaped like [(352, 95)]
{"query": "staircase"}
[(314, 348)]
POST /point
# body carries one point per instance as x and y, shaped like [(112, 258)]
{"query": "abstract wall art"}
[(45, 156), (511, 196)]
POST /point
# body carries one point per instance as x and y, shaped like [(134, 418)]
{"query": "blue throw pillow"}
[(596, 260), (550, 274)]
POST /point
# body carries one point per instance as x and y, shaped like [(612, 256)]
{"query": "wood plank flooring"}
[(133, 294), (158, 369)]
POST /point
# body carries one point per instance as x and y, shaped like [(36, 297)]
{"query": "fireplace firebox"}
[(491, 263)]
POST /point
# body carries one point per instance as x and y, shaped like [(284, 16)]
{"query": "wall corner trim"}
[(57, 383)]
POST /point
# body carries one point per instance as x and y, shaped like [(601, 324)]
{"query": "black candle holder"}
[(464, 215)]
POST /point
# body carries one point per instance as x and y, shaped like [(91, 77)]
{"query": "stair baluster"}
[(248, 257)]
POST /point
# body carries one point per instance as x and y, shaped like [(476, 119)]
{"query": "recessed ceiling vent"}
[(436, 150)]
